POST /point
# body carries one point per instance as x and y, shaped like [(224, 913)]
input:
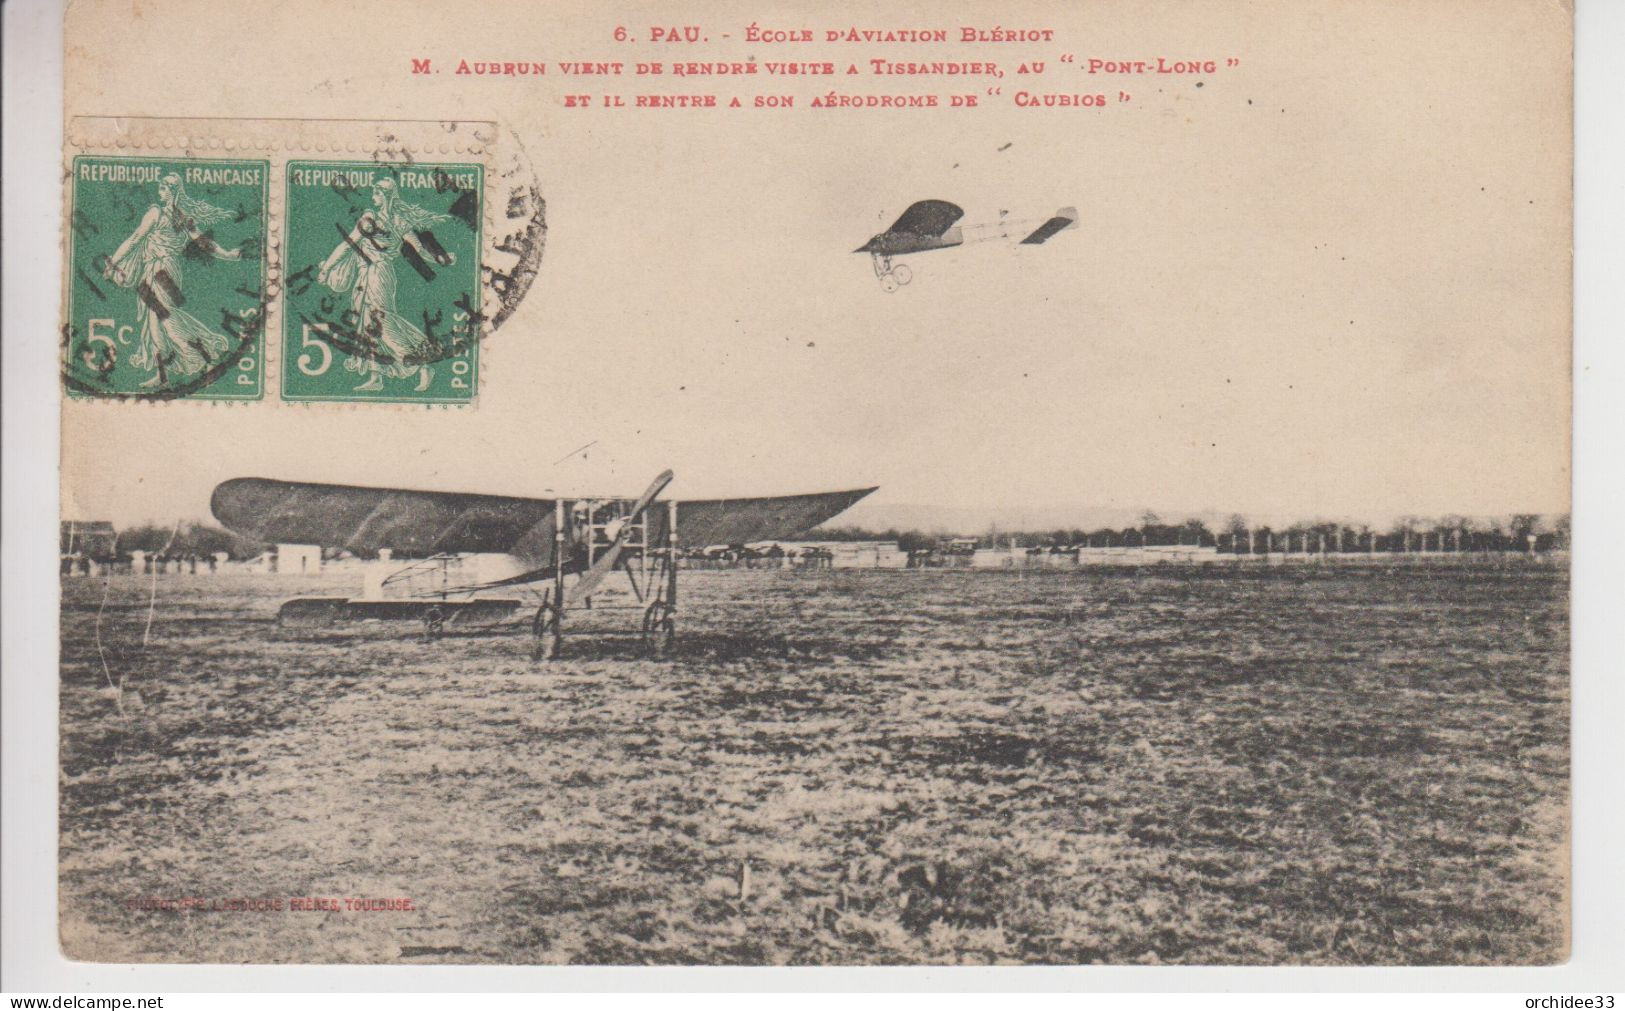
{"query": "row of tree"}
[(199, 539), (1449, 533), (1411, 533)]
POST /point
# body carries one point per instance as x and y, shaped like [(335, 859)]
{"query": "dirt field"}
[(1294, 765)]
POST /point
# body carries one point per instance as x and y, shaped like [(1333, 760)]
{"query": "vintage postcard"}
[(815, 484)]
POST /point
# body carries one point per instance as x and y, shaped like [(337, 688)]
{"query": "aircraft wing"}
[(929, 218), (744, 520), (364, 520)]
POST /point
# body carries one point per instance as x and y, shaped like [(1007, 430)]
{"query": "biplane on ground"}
[(933, 224), (567, 546)]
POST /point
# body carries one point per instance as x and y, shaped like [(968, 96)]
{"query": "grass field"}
[(1311, 765)]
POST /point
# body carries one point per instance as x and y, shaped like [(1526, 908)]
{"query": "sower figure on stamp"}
[(364, 266), (173, 341)]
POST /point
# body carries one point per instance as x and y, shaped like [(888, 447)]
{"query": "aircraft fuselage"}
[(899, 243)]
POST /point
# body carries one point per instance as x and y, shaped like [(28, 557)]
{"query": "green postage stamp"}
[(382, 282), (167, 291)]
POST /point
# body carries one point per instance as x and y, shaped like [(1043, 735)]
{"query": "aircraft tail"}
[(1066, 217)]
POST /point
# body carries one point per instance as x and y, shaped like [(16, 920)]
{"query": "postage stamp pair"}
[(174, 279)]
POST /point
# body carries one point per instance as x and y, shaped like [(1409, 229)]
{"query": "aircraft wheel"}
[(545, 629), (888, 284), (434, 623), (902, 274), (659, 627)]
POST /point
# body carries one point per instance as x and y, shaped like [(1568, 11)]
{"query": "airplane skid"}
[(302, 612)]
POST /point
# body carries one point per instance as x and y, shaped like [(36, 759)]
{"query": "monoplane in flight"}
[(570, 545), (933, 224)]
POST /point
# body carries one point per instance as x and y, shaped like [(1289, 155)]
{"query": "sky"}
[(1330, 282)]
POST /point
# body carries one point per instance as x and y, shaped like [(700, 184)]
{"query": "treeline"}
[(1518, 532), (1194, 533), (199, 539)]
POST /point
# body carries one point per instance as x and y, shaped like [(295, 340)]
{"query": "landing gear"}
[(659, 627), (891, 277), (547, 629), (434, 623), (651, 569)]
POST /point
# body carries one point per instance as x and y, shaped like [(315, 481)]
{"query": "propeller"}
[(605, 564)]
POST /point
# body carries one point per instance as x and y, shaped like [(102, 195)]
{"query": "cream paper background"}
[(1332, 281)]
